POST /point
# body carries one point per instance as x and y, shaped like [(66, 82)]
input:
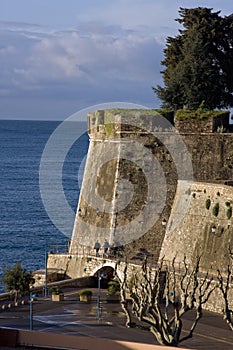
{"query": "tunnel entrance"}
[(106, 274)]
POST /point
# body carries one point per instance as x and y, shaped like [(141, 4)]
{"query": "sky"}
[(60, 56)]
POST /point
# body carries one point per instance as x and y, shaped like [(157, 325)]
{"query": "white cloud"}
[(72, 56), (94, 64), (85, 53)]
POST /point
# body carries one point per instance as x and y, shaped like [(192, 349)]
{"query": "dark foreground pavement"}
[(76, 318)]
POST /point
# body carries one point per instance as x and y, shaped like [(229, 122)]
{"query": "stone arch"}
[(106, 267)]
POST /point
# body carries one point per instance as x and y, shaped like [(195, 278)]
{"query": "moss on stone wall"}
[(109, 121), (199, 114), (199, 121)]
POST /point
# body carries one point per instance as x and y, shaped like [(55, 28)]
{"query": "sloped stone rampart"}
[(200, 232)]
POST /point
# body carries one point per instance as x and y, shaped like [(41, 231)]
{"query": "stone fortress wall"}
[(211, 153), (200, 232)]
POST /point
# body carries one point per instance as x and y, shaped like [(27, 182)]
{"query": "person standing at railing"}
[(106, 247), (97, 247)]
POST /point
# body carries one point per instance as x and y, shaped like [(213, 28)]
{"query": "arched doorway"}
[(106, 274)]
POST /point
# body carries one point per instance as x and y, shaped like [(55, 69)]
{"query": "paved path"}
[(73, 317)]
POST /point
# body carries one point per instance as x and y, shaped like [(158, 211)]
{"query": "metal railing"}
[(118, 253), (57, 248)]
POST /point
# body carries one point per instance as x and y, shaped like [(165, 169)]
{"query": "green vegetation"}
[(17, 280), (85, 292), (216, 209), (113, 287), (198, 62), (198, 114), (166, 113), (208, 203), (55, 290), (109, 120)]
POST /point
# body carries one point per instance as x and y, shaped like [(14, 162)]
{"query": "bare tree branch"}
[(184, 290), (225, 288)]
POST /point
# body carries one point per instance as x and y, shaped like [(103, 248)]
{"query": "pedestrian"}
[(115, 247), (106, 247), (97, 247)]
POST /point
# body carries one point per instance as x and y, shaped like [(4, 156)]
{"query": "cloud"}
[(34, 58), (111, 52)]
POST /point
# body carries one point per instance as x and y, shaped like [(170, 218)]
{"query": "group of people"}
[(97, 247), (106, 248)]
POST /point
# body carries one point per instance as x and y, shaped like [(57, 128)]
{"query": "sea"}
[(26, 230)]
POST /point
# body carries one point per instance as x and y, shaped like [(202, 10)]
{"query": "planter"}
[(85, 298), (85, 295), (58, 297)]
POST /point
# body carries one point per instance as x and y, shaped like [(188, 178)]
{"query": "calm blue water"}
[(25, 228)]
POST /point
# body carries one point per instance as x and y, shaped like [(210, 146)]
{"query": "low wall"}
[(13, 338), (5, 296), (82, 282)]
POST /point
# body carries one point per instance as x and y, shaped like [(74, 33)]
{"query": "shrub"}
[(216, 209), (208, 203), (55, 290), (85, 292), (113, 287)]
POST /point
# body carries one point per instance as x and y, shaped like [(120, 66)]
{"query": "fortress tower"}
[(141, 172)]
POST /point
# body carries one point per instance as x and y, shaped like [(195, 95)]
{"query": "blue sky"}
[(59, 56)]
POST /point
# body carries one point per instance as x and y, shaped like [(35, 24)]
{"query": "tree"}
[(184, 290), (225, 280), (198, 62), (17, 280)]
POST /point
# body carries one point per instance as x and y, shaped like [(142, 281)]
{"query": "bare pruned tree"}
[(225, 286), (183, 289)]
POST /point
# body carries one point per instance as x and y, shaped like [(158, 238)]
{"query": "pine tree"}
[(198, 62)]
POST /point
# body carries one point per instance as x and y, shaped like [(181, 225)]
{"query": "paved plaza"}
[(76, 318)]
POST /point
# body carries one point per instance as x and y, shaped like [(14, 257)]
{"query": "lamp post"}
[(46, 273), (31, 312), (100, 275)]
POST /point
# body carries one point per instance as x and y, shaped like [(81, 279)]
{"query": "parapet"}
[(187, 121), (115, 123)]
